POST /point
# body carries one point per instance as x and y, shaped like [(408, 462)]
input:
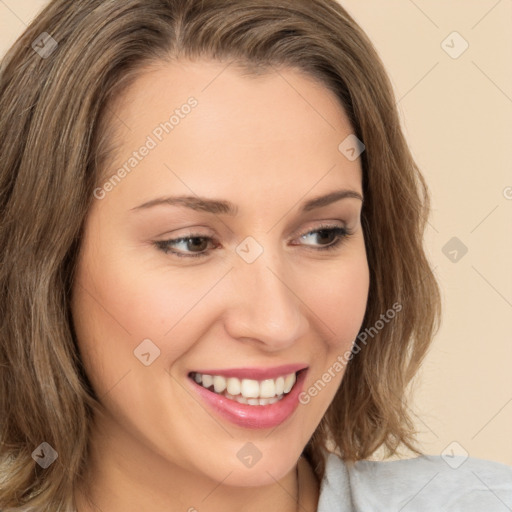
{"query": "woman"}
[(177, 334)]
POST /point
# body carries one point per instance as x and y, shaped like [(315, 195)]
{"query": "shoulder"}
[(424, 483)]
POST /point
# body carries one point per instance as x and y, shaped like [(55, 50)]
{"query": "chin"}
[(260, 475)]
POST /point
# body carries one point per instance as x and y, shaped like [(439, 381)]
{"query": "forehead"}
[(207, 124)]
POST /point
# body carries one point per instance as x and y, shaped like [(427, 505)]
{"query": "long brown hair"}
[(55, 142)]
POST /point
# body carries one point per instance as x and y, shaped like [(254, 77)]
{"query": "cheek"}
[(340, 304), (338, 297), (118, 303)]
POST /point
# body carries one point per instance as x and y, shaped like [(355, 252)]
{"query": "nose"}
[(262, 305)]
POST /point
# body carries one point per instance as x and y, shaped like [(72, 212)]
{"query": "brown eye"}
[(327, 237), (189, 247), (197, 244), (324, 236)]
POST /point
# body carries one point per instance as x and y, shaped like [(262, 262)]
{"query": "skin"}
[(267, 144)]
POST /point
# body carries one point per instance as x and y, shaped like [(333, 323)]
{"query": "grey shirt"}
[(427, 483)]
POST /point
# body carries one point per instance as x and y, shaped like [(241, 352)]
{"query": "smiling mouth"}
[(248, 391)]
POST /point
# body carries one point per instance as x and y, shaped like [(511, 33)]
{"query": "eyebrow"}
[(225, 207)]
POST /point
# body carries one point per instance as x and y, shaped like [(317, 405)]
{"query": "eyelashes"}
[(340, 234)]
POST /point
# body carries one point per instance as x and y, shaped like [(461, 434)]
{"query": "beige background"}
[(457, 114)]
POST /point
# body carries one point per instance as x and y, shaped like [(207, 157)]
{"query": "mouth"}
[(248, 391), (250, 402)]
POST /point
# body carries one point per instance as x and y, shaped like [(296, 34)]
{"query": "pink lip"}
[(255, 373), (253, 416)]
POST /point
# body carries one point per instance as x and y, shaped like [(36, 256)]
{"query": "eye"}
[(192, 246), (333, 236)]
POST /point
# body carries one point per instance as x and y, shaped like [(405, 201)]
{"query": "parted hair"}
[(55, 143)]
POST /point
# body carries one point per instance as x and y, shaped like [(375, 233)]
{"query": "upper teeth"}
[(248, 388)]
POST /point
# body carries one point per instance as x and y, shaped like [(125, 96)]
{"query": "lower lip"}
[(253, 416)]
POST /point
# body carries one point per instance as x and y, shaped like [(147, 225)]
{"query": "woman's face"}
[(247, 284)]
